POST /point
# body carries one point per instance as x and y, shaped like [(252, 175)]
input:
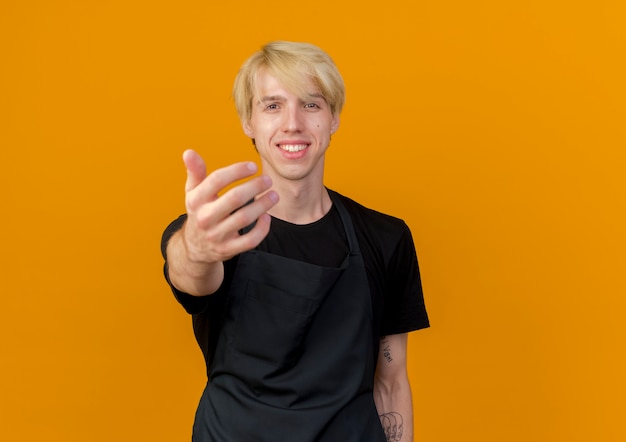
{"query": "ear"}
[(334, 124), (247, 129)]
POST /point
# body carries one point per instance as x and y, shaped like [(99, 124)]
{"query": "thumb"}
[(196, 169)]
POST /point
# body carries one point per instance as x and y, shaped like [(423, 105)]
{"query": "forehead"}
[(270, 84)]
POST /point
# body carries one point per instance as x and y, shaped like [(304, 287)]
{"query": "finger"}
[(243, 243), (242, 194), (250, 213), (196, 169), (233, 201), (220, 179), (230, 243)]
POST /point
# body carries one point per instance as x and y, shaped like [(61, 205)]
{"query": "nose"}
[(293, 120)]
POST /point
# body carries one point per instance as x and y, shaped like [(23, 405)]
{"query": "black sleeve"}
[(404, 309), (191, 304), (174, 227)]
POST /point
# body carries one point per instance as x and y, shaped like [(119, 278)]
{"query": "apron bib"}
[(294, 360)]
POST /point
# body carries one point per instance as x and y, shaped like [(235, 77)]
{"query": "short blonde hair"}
[(289, 62)]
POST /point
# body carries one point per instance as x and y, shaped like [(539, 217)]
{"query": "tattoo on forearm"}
[(393, 426), (386, 350)]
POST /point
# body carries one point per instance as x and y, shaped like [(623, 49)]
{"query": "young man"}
[(301, 298)]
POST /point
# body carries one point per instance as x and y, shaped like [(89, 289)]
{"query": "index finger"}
[(218, 180)]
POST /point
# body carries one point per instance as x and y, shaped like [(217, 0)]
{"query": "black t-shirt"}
[(388, 254)]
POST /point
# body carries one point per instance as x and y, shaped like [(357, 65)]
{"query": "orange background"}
[(495, 129)]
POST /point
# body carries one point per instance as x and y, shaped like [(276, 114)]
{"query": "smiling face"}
[(291, 130)]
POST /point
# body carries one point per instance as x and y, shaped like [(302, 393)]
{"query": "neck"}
[(300, 203)]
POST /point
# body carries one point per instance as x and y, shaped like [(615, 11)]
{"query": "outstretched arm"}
[(392, 392), (210, 234)]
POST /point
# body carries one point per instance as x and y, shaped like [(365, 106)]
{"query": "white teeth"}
[(292, 147)]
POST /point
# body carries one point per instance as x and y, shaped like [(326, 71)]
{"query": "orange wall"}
[(495, 129)]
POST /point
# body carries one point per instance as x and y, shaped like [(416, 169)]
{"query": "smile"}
[(293, 147)]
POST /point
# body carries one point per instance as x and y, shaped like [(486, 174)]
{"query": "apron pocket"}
[(271, 324)]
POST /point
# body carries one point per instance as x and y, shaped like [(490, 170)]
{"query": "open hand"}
[(211, 232)]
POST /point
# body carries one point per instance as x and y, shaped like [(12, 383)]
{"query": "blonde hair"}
[(290, 63)]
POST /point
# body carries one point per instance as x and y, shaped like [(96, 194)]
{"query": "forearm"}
[(392, 391), (395, 408), (194, 278)]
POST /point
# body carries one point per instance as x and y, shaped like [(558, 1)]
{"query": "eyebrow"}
[(272, 98), (281, 98), (315, 96)]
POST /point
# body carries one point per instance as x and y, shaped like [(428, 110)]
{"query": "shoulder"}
[(374, 222), (391, 262), (384, 239)]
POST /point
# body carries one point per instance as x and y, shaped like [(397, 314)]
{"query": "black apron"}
[(294, 360)]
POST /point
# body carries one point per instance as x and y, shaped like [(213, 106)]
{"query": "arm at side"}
[(392, 391)]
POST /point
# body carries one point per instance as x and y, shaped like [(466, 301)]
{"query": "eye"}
[(312, 106), (272, 106)]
